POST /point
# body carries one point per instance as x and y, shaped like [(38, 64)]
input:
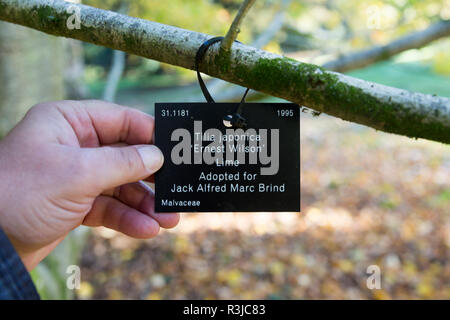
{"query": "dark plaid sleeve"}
[(15, 281)]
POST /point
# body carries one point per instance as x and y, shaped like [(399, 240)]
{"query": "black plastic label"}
[(209, 167)]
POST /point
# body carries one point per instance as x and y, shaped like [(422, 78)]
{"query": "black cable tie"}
[(236, 119), (198, 57)]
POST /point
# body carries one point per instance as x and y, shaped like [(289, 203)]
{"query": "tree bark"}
[(381, 107)]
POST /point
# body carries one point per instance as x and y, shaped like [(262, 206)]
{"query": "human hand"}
[(69, 163)]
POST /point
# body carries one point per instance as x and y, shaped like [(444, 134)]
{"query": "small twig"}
[(219, 87), (232, 33)]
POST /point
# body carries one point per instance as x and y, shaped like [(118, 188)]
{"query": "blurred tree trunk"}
[(74, 68), (115, 73), (31, 71)]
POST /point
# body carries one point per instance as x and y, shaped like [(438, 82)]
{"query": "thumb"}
[(110, 167)]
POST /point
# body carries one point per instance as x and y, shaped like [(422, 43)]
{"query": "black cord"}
[(241, 104), (198, 57), (236, 119)]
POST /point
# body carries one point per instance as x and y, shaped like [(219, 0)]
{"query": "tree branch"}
[(232, 33), (377, 106), (360, 59), (413, 40), (217, 86)]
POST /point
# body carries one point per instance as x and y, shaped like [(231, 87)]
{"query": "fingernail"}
[(152, 157)]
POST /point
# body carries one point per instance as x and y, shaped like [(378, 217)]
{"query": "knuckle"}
[(93, 101), (40, 107), (45, 107)]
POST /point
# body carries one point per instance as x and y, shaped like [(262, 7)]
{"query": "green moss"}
[(280, 75), (53, 21), (316, 88), (49, 19), (353, 104), (130, 42), (222, 61)]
